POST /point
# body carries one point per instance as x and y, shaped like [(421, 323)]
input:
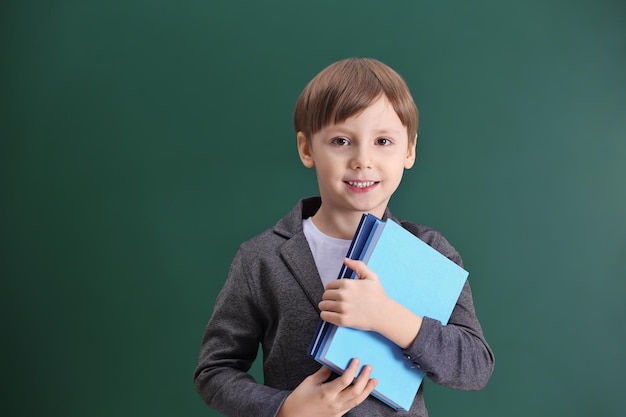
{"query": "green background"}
[(143, 141)]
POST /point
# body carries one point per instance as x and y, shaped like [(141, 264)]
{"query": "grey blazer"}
[(270, 298)]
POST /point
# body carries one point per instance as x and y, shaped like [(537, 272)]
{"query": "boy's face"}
[(359, 162)]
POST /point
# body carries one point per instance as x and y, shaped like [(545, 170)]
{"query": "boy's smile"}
[(359, 164), (361, 186)]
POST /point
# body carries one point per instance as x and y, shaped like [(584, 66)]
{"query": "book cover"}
[(413, 274)]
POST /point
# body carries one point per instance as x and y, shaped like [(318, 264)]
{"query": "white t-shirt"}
[(328, 252)]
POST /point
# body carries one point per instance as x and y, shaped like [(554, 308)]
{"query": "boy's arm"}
[(456, 355), (228, 349)]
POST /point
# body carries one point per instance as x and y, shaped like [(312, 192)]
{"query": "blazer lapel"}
[(299, 259)]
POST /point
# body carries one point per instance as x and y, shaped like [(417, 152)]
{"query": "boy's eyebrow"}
[(387, 131)]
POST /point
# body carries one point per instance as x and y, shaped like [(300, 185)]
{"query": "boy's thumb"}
[(361, 270)]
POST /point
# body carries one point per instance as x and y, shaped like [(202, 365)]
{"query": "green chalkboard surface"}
[(142, 141)]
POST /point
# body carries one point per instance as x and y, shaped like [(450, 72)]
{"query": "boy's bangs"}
[(354, 96)]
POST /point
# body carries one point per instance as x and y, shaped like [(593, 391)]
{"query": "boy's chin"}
[(376, 209)]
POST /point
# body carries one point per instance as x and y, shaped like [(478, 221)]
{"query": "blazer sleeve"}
[(455, 355), (228, 349)]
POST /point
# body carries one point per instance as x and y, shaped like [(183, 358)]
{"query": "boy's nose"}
[(362, 159)]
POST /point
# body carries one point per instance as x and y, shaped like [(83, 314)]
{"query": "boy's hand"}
[(315, 397), (358, 303), (362, 304)]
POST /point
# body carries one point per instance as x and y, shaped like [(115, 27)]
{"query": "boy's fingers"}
[(363, 378), (346, 379), (362, 386)]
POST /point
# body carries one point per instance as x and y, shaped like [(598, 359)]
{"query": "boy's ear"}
[(411, 153), (304, 150)]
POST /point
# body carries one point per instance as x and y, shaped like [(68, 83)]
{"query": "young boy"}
[(356, 124)]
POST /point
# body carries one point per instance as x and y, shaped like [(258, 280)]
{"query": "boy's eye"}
[(341, 141), (383, 141)]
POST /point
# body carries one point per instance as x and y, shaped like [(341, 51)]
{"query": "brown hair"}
[(347, 87)]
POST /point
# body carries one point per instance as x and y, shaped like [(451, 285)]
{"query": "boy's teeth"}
[(361, 184)]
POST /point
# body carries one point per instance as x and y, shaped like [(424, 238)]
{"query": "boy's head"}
[(346, 88), (356, 123)]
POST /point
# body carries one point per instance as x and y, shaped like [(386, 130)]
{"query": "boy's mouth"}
[(361, 184)]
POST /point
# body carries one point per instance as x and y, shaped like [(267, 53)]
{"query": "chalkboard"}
[(143, 141)]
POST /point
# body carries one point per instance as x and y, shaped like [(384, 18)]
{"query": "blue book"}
[(413, 274)]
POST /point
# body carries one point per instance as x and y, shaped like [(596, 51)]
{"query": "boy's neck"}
[(341, 225)]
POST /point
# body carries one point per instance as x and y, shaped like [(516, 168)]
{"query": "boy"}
[(356, 124)]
